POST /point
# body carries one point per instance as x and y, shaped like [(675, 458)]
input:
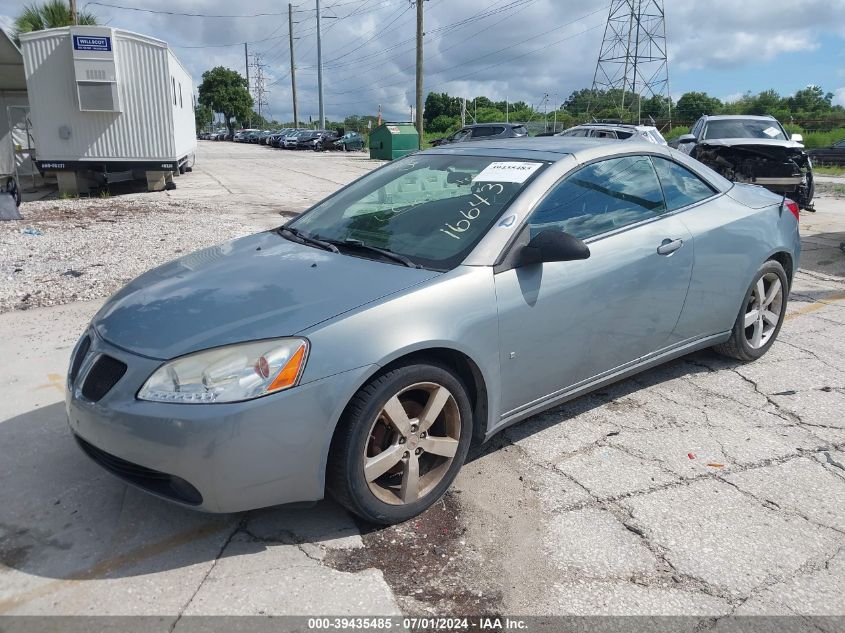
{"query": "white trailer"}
[(106, 104), (13, 110)]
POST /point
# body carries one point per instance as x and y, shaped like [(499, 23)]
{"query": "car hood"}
[(260, 286), (751, 142)]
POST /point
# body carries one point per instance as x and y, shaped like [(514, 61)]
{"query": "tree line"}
[(811, 104)]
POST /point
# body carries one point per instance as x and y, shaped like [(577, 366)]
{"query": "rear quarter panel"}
[(733, 235)]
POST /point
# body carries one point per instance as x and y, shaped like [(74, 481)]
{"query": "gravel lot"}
[(90, 247), (701, 488)]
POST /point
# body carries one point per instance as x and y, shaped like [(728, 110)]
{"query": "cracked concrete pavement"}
[(704, 487)]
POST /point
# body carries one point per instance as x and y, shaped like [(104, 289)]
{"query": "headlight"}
[(228, 374)]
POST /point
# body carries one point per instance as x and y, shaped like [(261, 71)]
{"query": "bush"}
[(676, 131), (823, 139)]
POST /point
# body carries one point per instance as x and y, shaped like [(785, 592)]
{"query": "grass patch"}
[(829, 170), (839, 190)]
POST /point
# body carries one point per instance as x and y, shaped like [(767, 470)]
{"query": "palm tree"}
[(48, 15)]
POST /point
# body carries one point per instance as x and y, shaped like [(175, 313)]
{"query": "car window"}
[(460, 135), (483, 131), (431, 208), (575, 132), (601, 197), (696, 129), (603, 134), (620, 134), (520, 130), (744, 128), (840, 144), (681, 187)]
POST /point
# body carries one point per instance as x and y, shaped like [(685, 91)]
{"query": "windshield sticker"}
[(507, 172), (771, 132)]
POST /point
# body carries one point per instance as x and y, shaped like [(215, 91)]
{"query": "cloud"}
[(839, 96), (514, 49)]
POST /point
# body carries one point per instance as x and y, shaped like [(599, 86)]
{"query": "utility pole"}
[(420, 71), (246, 63), (74, 17), (292, 66), (320, 71)]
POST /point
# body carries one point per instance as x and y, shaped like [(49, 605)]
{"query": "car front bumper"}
[(213, 457)]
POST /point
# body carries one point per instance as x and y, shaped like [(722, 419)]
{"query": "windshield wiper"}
[(307, 239), (358, 244)]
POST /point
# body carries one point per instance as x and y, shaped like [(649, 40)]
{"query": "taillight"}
[(792, 206)]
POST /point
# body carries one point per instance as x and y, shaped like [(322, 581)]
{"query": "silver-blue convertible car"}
[(362, 347)]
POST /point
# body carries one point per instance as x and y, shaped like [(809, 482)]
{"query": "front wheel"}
[(401, 442), (761, 316)]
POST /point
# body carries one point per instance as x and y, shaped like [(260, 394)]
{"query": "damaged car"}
[(753, 149)]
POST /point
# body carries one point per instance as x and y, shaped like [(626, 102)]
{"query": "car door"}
[(562, 323), (729, 248)]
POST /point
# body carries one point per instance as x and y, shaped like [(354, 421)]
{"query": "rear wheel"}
[(402, 441), (761, 316)]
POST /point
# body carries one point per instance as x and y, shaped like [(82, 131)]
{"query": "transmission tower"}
[(258, 88), (632, 64)]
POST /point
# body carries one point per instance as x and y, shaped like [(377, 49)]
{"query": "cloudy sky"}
[(514, 49)]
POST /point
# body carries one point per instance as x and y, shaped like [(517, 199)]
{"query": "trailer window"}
[(173, 82), (180, 95)]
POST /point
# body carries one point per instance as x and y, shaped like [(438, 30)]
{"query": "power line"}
[(443, 30), (266, 39), (214, 15), (475, 59), (441, 51), (474, 72)]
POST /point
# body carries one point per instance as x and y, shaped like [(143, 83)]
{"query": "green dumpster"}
[(393, 140)]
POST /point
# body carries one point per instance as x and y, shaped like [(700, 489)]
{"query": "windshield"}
[(432, 209), (744, 128)]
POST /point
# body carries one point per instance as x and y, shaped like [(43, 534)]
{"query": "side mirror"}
[(553, 245), (686, 138), (798, 138)]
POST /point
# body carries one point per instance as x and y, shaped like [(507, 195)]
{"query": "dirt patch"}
[(426, 562), (832, 189)]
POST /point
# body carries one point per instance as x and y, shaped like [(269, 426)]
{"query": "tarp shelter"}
[(14, 110)]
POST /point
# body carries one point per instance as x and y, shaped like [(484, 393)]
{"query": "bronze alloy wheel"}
[(411, 443)]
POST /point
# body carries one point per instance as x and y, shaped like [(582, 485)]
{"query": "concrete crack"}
[(784, 414), (238, 527)]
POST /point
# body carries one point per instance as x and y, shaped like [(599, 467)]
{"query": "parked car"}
[(262, 138), (753, 149), (242, 136), (325, 141), (351, 141), (484, 131), (617, 131), (274, 139), (433, 302), (306, 139), (290, 141), (833, 155)]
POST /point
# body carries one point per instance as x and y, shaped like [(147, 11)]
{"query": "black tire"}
[(345, 478), (738, 346)]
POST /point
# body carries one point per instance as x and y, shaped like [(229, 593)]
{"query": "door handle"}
[(667, 246)]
